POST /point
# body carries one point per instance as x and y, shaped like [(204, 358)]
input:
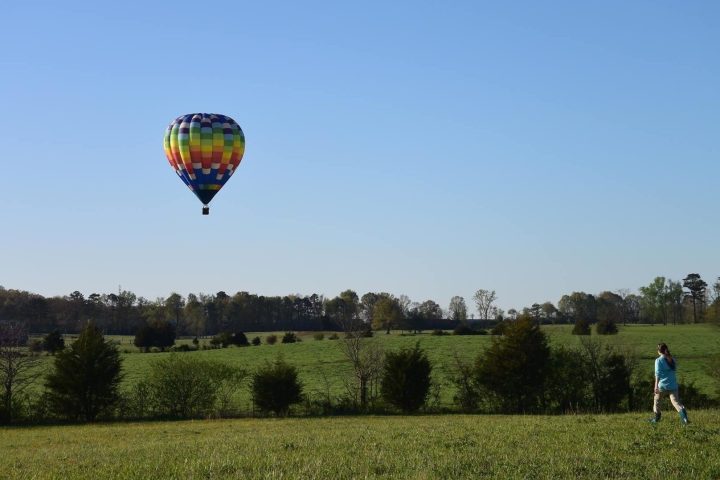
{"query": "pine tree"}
[(84, 381)]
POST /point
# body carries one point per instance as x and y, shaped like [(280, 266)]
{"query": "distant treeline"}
[(123, 313)]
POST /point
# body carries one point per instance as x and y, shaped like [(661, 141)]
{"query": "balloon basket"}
[(206, 210)]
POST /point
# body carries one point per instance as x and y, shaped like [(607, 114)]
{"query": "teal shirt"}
[(665, 374)]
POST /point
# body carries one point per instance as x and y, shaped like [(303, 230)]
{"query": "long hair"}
[(662, 348)]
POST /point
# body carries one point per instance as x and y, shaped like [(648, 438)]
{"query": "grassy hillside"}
[(323, 367), (415, 447)]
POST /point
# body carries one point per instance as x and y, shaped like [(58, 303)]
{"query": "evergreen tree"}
[(515, 367), (85, 377)]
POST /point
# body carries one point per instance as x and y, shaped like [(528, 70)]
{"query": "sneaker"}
[(655, 419), (683, 417)]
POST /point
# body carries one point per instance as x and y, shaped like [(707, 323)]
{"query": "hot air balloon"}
[(204, 149)]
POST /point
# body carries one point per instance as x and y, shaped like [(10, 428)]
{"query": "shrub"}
[(333, 336), (182, 348), (290, 337), (608, 373), (222, 340), (240, 339), (606, 327), (582, 327), (275, 387), (499, 328), (405, 381), (53, 342), (514, 367), (319, 336), (256, 341), (567, 385), (182, 386), (467, 396), (438, 332), (85, 377), (36, 346), (160, 335), (464, 329), (271, 339)]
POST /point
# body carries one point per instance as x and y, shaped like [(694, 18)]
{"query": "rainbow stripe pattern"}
[(204, 149)]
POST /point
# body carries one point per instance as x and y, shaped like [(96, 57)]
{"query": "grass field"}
[(414, 447), (324, 369)]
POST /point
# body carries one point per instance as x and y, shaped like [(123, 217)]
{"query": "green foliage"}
[(271, 339), (437, 332), (567, 387), (464, 329), (333, 336), (515, 367), (290, 337), (499, 328), (582, 327), (608, 373), (181, 386), (606, 327), (319, 336), (256, 341), (467, 395), (159, 335), (275, 387), (53, 342), (405, 381), (85, 377)]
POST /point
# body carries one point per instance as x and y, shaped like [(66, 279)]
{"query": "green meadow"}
[(395, 447), (324, 370)]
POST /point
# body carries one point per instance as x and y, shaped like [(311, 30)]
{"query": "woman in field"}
[(666, 384)]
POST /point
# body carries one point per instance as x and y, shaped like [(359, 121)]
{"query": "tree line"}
[(664, 301)]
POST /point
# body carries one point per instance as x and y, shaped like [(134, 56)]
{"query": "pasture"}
[(396, 447), (324, 370)]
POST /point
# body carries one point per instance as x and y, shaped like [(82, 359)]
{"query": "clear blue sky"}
[(426, 149)]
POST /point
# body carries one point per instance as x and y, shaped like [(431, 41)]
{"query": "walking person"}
[(666, 384)]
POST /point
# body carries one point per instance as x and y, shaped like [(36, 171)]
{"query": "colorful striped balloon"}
[(204, 149)]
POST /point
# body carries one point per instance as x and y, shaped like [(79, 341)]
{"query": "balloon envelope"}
[(204, 149)]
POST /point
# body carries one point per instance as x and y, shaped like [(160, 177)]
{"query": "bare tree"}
[(457, 309), (366, 357), (484, 300), (17, 366)]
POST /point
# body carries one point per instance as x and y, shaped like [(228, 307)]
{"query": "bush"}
[(567, 385), (275, 387), (160, 335), (606, 327), (271, 339), (319, 336), (405, 381), (53, 342), (463, 329), (85, 377), (240, 339), (333, 336), (182, 348), (499, 328), (582, 327), (514, 368), (222, 340), (467, 396), (290, 337), (438, 332), (256, 341), (181, 386)]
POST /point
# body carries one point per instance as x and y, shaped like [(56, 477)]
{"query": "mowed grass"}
[(407, 447), (323, 369)]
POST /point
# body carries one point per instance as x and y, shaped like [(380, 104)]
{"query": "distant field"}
[(323, 367), (397, 447)]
